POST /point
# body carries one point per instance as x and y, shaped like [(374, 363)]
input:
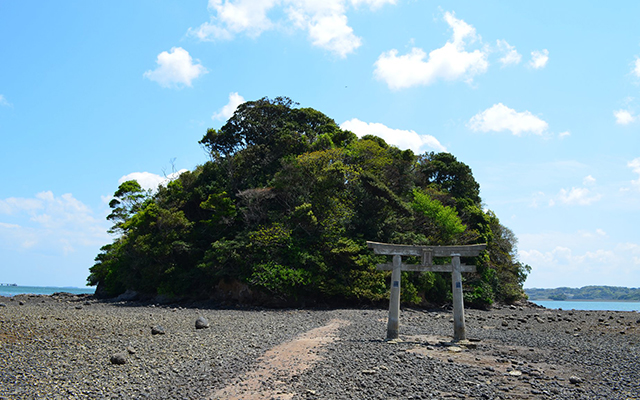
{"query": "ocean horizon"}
[(10, 291), (587, 305)]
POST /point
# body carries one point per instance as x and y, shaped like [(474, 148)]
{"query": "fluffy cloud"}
[(4, 102), (511, 55), (148, 180), (324, 20), (502, 118), (227, 111), (636, 69), (539, 59), (449, 62), (578, 196), (401, 138), (230, 18), (624, 117), (55, 224), (175, 69)]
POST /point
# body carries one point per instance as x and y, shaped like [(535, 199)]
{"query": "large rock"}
[(129, 295)]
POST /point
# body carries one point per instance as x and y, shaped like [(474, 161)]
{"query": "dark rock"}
[(575, 380), (118, 358), (2, 305), (101, 291), (129, 295), (157, 330), (21, 303), (202, 323)]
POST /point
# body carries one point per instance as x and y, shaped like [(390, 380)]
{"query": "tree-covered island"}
[(586, 293), (282, 211)]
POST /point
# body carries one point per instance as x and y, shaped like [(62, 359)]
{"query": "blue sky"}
[(541, 100)]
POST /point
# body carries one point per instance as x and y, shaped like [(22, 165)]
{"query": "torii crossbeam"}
[(426, 253)]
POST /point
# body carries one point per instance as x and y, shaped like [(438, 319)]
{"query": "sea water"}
[(9, 291), (590, 305)]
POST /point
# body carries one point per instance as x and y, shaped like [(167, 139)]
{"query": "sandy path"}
[(277, 366)]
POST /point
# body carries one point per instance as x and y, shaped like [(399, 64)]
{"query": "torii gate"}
[(427, 253)]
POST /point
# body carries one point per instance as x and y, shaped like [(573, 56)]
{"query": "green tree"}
[(127, 201), (285, 206)]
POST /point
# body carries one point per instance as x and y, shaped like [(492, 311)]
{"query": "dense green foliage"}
[(586, 293), (286, 205)]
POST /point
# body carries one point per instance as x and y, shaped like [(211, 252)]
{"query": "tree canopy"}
[(284, 209)]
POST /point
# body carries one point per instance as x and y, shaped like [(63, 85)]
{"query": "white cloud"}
[(373, 4), (539, 59), (401, 138), (4, 102), (227, 111), (635, 166), (324, 20), (577, 259), (450, 62), (636, 69), (511, 55), (148, 180), (578, 196), (502, 118), (624, 117), (230, 18), (331, 32), (58, 224), (564, 134), (175, 69), (588, 180)]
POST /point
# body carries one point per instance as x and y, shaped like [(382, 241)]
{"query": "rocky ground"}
[(75, 347)]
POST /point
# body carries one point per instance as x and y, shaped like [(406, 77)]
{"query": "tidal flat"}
[(63, 346)]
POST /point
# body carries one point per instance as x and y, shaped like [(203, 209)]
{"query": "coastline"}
[(588, 301), (61, 346)]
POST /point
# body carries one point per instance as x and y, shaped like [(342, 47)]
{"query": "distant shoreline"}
[(586, 300), (11, 290)]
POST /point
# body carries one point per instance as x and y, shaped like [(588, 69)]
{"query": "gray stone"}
[(202, 323), (575, 379), (157, 330), (118, 359)]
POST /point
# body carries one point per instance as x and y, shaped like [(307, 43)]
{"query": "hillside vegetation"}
[(586, 293), (282, 211)]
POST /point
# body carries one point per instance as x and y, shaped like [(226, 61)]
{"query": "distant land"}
[(590, 293)]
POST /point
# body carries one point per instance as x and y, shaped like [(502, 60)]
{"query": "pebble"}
[(157, 330), (575, 380), (202, 323), (118, 359)]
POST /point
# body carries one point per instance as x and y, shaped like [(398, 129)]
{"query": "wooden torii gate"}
[(427, 253)]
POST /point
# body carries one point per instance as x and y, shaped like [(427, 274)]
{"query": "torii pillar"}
[(426, 253)]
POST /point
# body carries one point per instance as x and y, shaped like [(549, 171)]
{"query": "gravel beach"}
[(75, 347)]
